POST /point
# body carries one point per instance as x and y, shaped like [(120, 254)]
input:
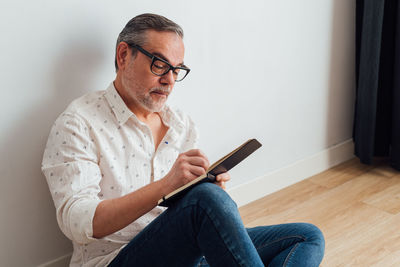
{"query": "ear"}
[(123, 54)]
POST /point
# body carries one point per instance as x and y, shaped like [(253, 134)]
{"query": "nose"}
[(168, 78)]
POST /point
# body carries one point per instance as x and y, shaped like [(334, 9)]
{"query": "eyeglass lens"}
[(160, 68)]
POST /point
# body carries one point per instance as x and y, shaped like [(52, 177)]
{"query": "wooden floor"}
[(357, 207)]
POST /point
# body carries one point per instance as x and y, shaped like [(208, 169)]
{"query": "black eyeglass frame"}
[(154, 58)]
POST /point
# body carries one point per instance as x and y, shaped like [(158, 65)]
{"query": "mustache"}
[(163, 90)]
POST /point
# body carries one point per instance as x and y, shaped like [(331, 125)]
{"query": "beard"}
[(137, 92), (146, 100)]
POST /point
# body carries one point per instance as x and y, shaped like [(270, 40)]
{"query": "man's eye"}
[(158, 66)]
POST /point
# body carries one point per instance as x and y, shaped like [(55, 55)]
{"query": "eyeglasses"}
[(161, 67)]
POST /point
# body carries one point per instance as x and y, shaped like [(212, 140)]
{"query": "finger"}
[(198, 161), (196, 153), (223, 177), (196, 170), (221, 184)]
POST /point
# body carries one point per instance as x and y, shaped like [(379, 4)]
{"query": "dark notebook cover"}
[(223, 165)]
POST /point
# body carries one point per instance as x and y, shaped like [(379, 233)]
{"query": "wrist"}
[(166, 185)]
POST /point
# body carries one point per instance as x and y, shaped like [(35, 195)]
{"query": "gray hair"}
[(135, 30)]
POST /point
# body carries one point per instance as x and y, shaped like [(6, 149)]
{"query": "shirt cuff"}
[(81, 220)]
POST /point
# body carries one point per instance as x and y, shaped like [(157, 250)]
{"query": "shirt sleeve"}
[(70, 165)]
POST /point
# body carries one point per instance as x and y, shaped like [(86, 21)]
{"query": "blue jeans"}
[(205, 228)]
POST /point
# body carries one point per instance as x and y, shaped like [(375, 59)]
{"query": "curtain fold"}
[(395, 159), (377, 110)]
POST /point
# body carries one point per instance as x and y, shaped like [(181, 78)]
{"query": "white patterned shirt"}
[(98, 149)]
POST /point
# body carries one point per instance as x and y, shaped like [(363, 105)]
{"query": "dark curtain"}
[(377, 111)]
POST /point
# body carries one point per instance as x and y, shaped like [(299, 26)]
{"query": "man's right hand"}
[(187, 167), (114, 214)]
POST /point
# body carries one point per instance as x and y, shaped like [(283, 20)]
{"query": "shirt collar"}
[(123, 113), (118, 106)]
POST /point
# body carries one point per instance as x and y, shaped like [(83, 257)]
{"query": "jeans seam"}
[(282, 238), (219, 234), (290, 254), (201, 264)]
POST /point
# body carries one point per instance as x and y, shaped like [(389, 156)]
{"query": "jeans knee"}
[(212, 196), (314, 236)]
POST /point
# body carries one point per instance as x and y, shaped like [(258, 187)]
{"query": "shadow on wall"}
[(340, 102), (30, 234)]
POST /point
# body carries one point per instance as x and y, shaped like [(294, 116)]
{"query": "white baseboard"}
[(62, 261), (296, 172)]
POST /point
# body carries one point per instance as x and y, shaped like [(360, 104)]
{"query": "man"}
[(113, 154)]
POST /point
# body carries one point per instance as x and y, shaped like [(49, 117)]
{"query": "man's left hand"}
[(221, 179)]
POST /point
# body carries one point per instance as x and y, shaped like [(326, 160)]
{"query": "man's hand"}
[(221, 179), (187, 167), (114, 214)]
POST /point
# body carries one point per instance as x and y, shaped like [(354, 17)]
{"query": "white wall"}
[(280, 71)]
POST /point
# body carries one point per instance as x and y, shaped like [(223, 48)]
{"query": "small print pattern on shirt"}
[(97, 149)]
